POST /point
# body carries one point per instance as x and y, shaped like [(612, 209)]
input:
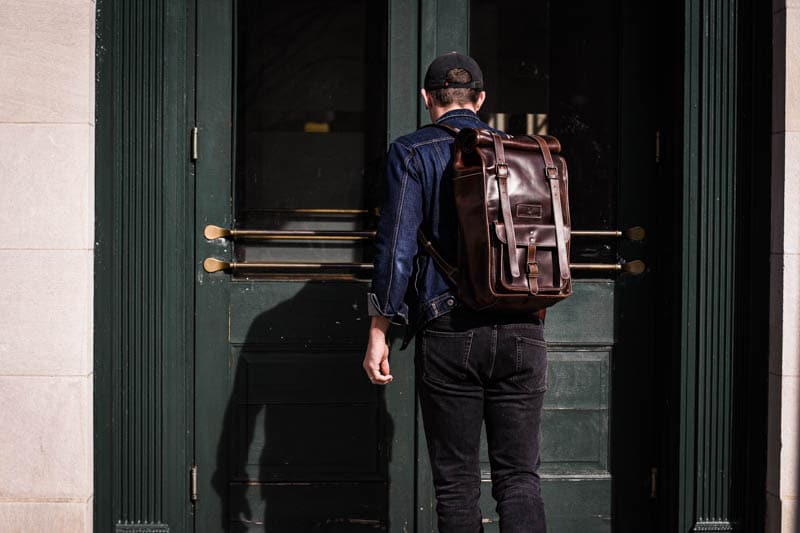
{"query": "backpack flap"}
[(536, 255)]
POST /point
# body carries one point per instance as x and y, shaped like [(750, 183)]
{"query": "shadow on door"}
[(306, 437)]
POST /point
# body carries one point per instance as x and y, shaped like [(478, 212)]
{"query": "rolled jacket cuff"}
[(374, 309)]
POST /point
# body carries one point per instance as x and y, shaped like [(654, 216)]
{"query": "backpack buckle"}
[(533, 268), (502, 170), (531, 265), (551, 172)]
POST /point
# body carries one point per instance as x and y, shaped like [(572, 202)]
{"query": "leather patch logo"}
[(529, 211)]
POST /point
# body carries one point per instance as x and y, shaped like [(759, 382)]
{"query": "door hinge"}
[(194, 143), (193, 484), (653, 483), (658, 146)]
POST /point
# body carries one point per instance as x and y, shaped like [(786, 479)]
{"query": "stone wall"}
[(784, 364), (46, 243)]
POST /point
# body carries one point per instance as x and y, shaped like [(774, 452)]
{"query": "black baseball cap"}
[(436, 77)]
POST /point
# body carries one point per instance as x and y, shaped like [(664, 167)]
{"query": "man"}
[(471, 366)]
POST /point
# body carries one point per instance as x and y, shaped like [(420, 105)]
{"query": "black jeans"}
[(470, 370)]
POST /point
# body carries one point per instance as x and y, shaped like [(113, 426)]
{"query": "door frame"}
[(146, 77)]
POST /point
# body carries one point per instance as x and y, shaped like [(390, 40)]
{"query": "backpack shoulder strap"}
[(501, 173), (448, 270)]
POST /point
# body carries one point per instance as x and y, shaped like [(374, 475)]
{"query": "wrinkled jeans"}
[(470, 370)]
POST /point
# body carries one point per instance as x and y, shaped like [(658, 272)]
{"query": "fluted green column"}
[(142, 287), (709, 216)]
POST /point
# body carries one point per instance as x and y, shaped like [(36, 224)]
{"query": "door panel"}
[(292, 115)]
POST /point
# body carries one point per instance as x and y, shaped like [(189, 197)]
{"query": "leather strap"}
[(551, 172), (447, 269), (533, 269), (501, 171)]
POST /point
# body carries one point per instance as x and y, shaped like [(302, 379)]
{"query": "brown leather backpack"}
[(514, 226)]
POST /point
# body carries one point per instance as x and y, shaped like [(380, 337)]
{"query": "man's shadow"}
[(307, 438)]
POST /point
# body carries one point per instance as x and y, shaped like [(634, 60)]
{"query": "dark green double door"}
[(295, 104)]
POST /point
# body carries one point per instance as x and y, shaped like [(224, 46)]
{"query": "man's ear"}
[(426, 97), (481, 98)]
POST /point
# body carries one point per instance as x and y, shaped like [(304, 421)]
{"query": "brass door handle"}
[(212, 264), (211, 232), (631, 267), (319, 211), (635, 233)]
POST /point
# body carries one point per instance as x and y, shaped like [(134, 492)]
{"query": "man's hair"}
[(458, 95)]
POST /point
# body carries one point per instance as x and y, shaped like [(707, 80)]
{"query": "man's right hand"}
[(376, 360)]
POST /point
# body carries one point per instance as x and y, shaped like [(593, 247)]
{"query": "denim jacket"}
[(407, 287)]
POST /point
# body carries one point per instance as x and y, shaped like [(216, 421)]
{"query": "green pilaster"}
[(403, 49), (444, 26), (402, 83), (709, 224), (142, 283)]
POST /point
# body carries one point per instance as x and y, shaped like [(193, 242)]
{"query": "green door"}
[(295, 104), (292, 126)]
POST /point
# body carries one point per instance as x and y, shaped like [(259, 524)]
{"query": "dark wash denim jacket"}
[(407, 287)]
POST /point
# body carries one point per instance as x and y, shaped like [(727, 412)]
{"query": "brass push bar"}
[(212, 232), (213, 264), (320, 211), (635, 233), (632, 267)]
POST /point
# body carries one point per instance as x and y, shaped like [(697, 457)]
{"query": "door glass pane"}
[(310, 124), (551, 68)]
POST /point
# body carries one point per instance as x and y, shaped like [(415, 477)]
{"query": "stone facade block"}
[(793, 67), (789, 515), (47, 297), (791, 194), (46, 442), (25, 517), (47, 61), (779, 70), (790, 438), (790, 345), (48, 186)]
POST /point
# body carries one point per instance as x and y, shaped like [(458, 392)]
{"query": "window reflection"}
[(310, 122), (551, 68), (535, 123)]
